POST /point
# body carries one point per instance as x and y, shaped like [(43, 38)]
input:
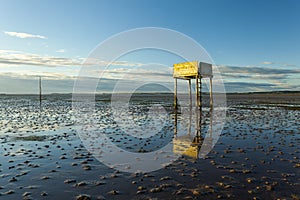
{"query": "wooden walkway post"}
[(190, 93), (210, 93), (200, 93), (197, 92), (190, 120), (175, 94), (211, 121), (175, 123)]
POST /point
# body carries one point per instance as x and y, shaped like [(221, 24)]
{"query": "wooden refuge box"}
[(191, 70)]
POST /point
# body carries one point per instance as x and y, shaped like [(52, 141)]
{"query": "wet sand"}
[(256, 157)]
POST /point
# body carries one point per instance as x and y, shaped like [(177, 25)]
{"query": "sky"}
[(254, 44)]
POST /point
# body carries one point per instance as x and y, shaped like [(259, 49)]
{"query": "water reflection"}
[(198, 135)]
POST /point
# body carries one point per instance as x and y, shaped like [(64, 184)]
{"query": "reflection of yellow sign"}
[(184, 146), (185, 69), (190, 151)]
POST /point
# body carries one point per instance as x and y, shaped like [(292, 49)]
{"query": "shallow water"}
[(42, 156)]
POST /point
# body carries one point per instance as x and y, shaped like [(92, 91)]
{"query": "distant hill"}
[(267, 92)]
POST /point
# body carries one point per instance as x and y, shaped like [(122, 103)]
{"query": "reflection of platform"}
[(187, 145)]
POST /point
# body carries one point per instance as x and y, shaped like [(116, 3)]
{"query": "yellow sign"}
[(185, 69)]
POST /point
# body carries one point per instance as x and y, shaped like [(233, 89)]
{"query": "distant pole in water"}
[(40, 88)]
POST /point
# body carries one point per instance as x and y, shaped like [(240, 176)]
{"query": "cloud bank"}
[(18, 58), (61, 72)]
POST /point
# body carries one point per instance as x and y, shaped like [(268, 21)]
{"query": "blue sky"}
[(255, 43)]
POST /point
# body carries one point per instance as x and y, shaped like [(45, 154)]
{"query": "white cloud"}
[(289, 65), (23, 35), (267, 63), (149, 73), (61, 51)]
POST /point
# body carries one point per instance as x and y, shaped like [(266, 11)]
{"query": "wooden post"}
[(175, 107), (175, 123), (200, 93), (190, 120), (211, 121), (197, 93), (200, 106), (197, 121), (190, 93), (40, 89), (210, 94), (175, 94)]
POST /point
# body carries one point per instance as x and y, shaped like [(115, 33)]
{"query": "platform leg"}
[(210, 94), (175, 94)]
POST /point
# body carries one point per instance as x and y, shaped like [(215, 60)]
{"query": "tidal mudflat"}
[(256, 157)]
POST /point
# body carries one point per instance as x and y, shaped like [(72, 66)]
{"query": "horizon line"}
[(103, 93)]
